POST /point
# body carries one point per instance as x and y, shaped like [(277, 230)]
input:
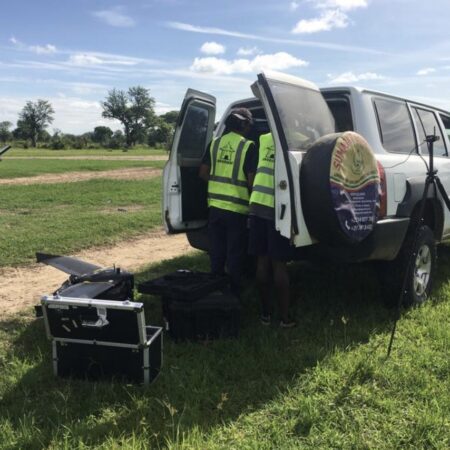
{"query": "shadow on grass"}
[(202, 384)]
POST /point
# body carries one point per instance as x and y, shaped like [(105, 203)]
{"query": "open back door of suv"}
[(297, 115), (184, 193)]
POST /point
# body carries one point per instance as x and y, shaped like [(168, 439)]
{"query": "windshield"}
[(304, 114)]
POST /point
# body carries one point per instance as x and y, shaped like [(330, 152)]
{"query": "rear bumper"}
[(383, 244)]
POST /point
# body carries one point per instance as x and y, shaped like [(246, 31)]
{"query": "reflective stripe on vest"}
[(227, 186), (262, 200)]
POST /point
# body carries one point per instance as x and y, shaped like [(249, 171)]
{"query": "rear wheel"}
[(420, 271)]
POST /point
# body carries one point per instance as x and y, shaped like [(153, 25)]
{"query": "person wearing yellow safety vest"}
[(227, 166), (272, 249)]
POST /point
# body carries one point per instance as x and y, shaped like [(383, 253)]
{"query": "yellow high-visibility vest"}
[(262, 199), (227, 185)]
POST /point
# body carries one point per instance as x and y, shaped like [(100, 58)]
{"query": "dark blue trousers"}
[(227, 244)]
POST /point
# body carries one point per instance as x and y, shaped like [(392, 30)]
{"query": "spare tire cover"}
[(340, 189)]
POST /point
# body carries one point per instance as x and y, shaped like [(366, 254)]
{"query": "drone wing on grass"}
[(86, 289), (67, 264)]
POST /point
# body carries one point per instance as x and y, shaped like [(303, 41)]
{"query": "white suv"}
[(395, 129)]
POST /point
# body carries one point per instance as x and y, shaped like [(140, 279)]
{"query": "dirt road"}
[(21, 288), (96, 158), (136, 173)]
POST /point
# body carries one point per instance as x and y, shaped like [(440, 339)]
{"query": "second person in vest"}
[(265, 242), (229, 167)]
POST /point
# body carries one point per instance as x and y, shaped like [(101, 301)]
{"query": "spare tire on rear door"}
[(340, 189)]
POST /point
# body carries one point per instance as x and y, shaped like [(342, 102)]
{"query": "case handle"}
[(101, 321)]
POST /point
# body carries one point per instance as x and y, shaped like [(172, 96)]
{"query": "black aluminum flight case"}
[(102, 339)]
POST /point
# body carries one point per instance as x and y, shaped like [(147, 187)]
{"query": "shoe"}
[(265, 320), (288, 324)]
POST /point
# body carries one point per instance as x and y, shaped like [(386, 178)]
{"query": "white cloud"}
[(84, 104), (92, 59), (294, 5), (248, 51), (327, 21), (333, 15), (350, 77), (344, 5), (38, 49), (296, 42), (83, 59), (114, 17), (86, 88), (43, 49), (162, 107), (212, 48), (276, 61), (426, 71), (72, 114)]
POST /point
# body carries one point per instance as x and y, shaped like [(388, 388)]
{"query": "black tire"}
[(420, 272), (340, 189)]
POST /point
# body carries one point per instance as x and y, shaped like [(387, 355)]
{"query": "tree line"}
[(134, 109)]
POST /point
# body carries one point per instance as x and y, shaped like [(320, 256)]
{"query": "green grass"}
[(66, 217), (325, 384), (136, 151), (13, 168)]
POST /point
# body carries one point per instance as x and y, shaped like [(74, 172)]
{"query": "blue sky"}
[(73, 52)]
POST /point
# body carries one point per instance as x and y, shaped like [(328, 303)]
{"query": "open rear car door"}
[(297, 115), (184, 193)]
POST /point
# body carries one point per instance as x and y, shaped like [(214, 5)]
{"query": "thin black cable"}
[(416, 147)]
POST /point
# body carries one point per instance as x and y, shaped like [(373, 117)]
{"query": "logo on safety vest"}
[(270, 154), (226, 154)]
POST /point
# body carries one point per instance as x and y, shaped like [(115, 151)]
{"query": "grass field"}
[(66, 217), (136, 151), (13, 168), (325, 384)]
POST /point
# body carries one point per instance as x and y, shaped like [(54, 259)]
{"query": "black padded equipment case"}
[(184, 285), (216, 315), (196, 305)]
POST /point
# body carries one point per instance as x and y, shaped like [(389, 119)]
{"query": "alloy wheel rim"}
[(422, 270)]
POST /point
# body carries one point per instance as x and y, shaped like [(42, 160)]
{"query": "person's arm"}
[(205, 166), (250, 180), (251, 164), (203, 172)]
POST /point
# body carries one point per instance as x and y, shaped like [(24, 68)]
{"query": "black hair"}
[(238, 119)]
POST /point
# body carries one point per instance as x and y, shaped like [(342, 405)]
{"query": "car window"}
[(446, 121), (426, 124), (396, 130), (195, 131), (303, 112), (340, 108)]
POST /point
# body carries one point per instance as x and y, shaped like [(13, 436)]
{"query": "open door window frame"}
[(172, 187), (263, 83)]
